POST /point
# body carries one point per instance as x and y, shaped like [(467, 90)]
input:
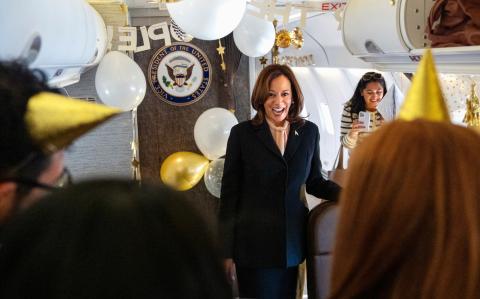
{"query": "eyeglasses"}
[(62, 181), (371, 76)]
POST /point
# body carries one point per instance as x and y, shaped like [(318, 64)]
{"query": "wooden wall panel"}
[(165, 129)]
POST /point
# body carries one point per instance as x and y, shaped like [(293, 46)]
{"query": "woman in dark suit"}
[(262, 215)]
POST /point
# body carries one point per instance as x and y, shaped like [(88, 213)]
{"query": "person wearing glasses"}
[(31, 160), (360, 114)]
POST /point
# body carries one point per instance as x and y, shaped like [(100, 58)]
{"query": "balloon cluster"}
[(214, 19), (183, 170)]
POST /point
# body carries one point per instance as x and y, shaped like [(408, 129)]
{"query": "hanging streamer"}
[(221, 52), (134, 146)]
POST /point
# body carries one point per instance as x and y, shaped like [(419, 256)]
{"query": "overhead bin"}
[(390, 34), (60, 37)]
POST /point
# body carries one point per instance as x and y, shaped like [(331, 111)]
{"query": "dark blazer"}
[(262, 217)]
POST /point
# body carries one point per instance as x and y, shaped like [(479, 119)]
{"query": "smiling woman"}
[(269, 162), (279, 100), (369, 92)]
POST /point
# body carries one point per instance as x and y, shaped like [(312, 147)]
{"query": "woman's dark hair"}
[(110, 239), (22, 158), (357, 102), (261, 92), (17, 85)]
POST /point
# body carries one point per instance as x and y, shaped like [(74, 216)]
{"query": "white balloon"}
[(254, 36), (211, 132), (120, 81), (213, 177), (207, 19)]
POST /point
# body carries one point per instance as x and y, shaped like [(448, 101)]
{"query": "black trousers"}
[(267, 283)]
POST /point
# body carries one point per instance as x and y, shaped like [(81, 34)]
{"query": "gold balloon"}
[(183, 170), (283, 39), (297, 38)]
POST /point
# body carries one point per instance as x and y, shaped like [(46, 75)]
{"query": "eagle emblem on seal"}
[(179, 70)]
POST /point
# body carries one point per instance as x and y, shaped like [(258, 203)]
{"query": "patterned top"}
[(376, 120)]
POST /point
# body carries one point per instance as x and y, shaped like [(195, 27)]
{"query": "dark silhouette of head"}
[(20, 157), (110, 239)]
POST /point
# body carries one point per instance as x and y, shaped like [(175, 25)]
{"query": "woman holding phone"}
[(360, 113)]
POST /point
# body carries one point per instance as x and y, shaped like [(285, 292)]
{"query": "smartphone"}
[(364, 118)]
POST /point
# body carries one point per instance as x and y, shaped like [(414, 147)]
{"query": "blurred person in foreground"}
[(37, 123), (409, 222), (108, 240)]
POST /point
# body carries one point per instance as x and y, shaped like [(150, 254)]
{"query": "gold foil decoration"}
[(275, 46), (183, 170), (424, 99), (135, 163), (55, 121), (263, 61), (221, 52), (283, 39), (297, 38), (472, 115)]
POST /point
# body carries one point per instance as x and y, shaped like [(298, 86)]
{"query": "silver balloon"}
[(213, 177)]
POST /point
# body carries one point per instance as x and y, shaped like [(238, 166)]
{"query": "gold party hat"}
[(55, 121), (424, 99)]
